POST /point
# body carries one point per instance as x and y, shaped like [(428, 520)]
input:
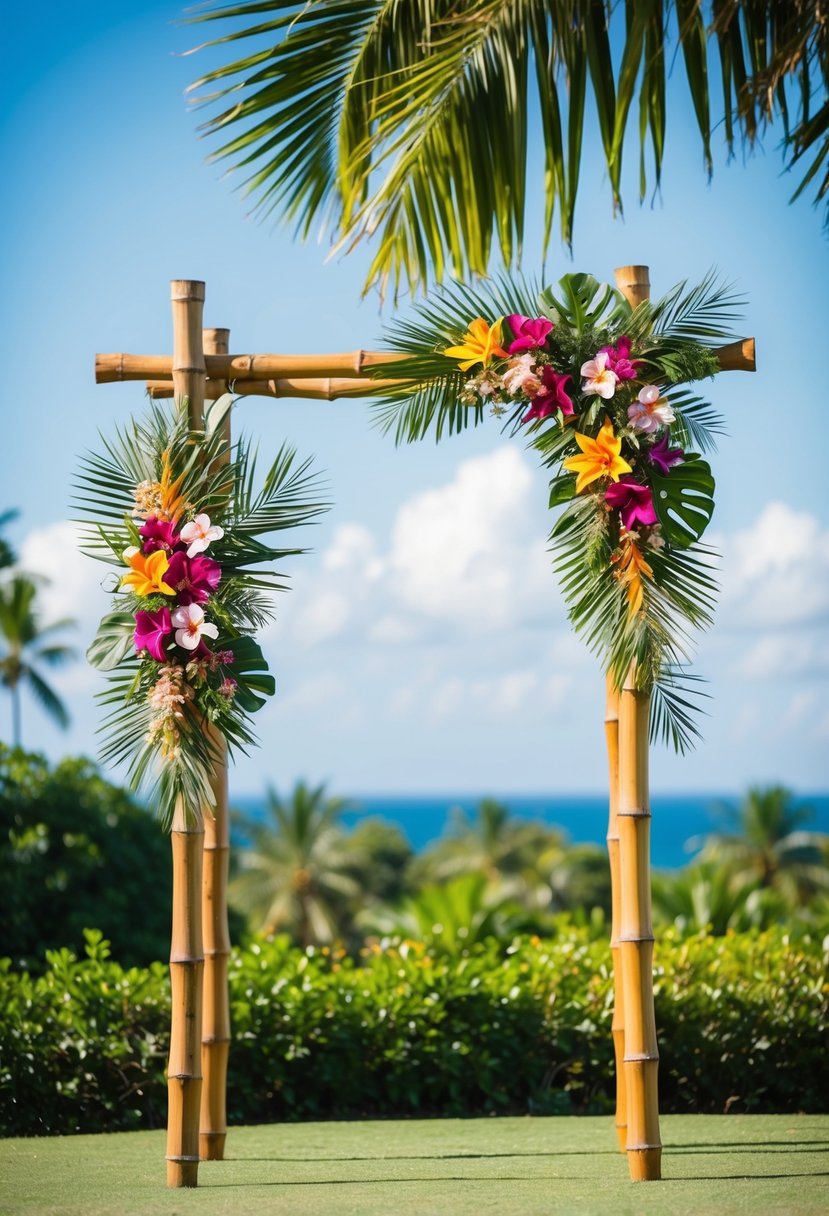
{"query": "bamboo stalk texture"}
[(216, 1036), (618, 1023), (184, 1076), (327, 389), (644, 1146), (350, 365)]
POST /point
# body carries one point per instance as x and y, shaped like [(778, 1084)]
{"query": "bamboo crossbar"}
[(319, 390), (351, 365)]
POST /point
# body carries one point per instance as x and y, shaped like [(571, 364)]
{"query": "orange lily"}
[(600, 458), (146, 576), (173, 504), (630, 569), (480, 344)]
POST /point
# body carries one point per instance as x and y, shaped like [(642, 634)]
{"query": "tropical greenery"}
[(413, 123), (298, 871), (598, 389), (402, 1031), (27, 647), (154, 500), (7, 554), (76, 852)]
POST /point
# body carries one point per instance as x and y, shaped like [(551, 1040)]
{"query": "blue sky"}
[(424, 645)]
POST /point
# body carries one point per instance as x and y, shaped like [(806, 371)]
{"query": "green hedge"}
[(742, 1026)]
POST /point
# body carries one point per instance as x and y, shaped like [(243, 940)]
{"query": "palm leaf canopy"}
[(410, 122)]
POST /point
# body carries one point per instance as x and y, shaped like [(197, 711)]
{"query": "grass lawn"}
[(718, 1164)]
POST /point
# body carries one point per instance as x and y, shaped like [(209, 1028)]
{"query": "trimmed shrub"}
[(400, 1031)]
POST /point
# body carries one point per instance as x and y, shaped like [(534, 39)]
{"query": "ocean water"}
[(678, 825)]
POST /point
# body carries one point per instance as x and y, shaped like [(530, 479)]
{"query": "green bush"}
[(742, 1025)]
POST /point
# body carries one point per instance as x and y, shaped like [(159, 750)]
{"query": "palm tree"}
[(7, 556), (705, 897), (26, 645), (297, 872), (411, 122), (768, 845), (452, 916)]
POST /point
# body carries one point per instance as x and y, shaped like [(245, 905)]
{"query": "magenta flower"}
[(193, 578), (664, 456), (553, 396), (158, 534), (151, 628), (619, 360), (633, 501), (530, 332)]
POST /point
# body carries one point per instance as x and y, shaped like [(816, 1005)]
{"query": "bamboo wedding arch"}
[(202, 369)]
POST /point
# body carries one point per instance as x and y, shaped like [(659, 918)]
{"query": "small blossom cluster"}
[(170, 569), (518, 363)]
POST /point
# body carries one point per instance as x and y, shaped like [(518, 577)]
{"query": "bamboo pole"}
[(320, 389), (611, 722), (184, 1082), (216, 1037), (644, 1146), (352, 365), (184, 1079)]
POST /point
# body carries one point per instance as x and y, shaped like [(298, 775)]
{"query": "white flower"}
[(522, 377), (598, 376), (189, 624), (650, 411), (199, 534)]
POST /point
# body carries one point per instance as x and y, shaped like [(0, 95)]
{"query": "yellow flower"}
[(479, 345), (172, 504), (600, 458), (147, 574)]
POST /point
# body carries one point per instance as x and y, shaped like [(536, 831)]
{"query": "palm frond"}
[(410, 124)]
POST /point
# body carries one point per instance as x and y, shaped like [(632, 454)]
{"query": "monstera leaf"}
[(113, 641), (251, 670), (584, 303), (684, 500)]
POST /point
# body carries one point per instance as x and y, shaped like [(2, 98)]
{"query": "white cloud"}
[(776, 573), (76, 583), (467, 556)]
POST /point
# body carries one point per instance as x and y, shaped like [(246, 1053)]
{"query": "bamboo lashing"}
[(216, 1036), (352, 365), (641, 1060), (184, 1075)]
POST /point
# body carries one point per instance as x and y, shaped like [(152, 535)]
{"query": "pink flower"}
[(633, 501), (151, 630), (619, 360), (194, 579), (190, 624), (158, 534), (552, 397), (530, 332), (522, 377), (599, 377), (650, 411), (664, 456), (198, 534)]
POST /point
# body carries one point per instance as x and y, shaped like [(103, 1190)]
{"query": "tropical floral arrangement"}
[(176, 512), (600, 391)]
